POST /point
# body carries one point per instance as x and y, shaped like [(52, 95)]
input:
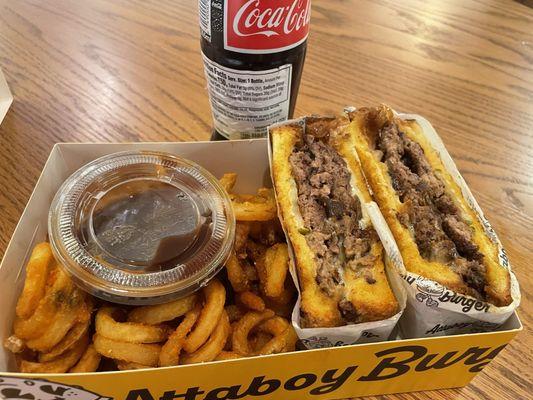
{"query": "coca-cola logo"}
[(265, 26)]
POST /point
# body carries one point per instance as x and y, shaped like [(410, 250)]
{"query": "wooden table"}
[(128, 70)]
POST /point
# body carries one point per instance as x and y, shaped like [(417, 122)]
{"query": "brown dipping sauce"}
[(148, 225)]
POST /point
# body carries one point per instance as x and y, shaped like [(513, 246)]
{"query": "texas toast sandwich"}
[(338, 255), (438, 233)]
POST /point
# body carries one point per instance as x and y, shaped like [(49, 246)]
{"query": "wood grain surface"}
[(130, 70)]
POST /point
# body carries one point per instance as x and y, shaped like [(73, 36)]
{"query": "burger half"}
[(338, 256), (437, 231)]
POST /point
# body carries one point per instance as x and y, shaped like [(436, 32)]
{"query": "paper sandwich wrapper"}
[(5, 97), (366, 332), (427, 308), (432, 309)]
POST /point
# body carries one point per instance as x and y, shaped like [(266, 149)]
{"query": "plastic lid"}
[(141, 227)]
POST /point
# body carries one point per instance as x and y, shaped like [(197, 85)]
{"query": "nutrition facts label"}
[(244, 103)]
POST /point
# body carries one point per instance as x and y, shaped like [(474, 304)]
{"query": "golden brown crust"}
[(372, 301), (366, 122)]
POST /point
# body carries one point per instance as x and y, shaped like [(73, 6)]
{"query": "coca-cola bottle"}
[(253, 53)]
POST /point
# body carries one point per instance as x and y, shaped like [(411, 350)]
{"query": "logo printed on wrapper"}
[(504, 259), (428, 290), (467, 303), (265, 26), (470, 327), (369, 335), (322, 342), (317, 342), (41, 389)]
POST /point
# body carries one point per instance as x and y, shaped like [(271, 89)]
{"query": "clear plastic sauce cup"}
[(141, 227)]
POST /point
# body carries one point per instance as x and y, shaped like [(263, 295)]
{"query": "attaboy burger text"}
[(390, 364)]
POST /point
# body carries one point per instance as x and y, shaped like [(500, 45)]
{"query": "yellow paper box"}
[(331, 373)]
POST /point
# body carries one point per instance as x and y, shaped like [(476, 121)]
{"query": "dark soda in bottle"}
[(253, 52)]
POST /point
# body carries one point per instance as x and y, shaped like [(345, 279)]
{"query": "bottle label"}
[(244, 103), (265, 26)]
